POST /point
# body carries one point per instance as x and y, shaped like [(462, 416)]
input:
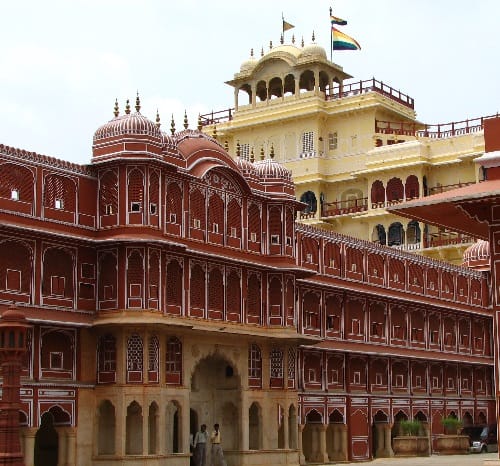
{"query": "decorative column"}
[(323, 454), (13, 346), (70, 446), (343, 456), (28, 434), (302, 458), (388, 440), (284, 424)]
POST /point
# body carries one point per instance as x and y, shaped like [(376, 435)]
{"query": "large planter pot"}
[(410, 445), (452, 444)]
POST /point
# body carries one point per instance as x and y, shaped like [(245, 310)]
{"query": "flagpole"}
[(331, 41)]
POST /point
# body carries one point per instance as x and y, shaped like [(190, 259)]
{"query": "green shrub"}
[(410, 427), (451, 424)]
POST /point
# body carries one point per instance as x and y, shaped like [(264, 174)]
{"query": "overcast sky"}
[(63, 63)]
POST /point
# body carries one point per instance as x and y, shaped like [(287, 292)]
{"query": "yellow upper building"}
[(354, 147)]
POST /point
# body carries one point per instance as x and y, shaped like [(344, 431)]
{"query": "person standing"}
[(199, 443), (217, 453)]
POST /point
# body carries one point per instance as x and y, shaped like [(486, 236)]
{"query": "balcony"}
[(351, 206), (447, 187)]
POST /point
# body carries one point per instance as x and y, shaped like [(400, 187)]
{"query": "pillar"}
[(343, 451), (28, 436), (62, 447), (70, 447), (244, 431), (302, 459), (323, 455), (286, 440), (388, 440)]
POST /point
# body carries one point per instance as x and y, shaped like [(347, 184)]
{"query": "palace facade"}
[(354, 147), (168, 284)]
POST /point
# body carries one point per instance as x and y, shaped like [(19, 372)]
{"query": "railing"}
[(401, 128), (215, 118), (447, 187), (371, 85), (333, 209), (447, 239), (455, 128)]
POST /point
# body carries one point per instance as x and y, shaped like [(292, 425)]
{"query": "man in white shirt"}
[(217, 453), (200, 443)]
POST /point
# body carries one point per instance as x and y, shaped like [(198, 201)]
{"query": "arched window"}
[(197, 291), (254, 299), (254, 367), (135, 278), (173, 362), (174, 287), (277, 375), (108, 193), (233, 296), (174, 204), (216, 291), (134, 358), (106, 428), (135, 191), (309, 198), (133, 436), (396, 234), (377, 194)]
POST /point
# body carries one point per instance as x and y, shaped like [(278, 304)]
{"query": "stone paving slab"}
[(474, 459)]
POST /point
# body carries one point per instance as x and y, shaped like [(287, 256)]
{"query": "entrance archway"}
[(215, 397), (46, 442)]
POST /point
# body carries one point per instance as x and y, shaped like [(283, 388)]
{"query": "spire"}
[(281, 39), (214, 134), (116, 110), (302, 42), (293, 38), (252, 156), (172, 125), (271, 155), (186, 124), (270, 44), (251, 52), (313, 37), (127, 107), (226, 146), (262, 51), (261, 152), (157, 119), (238, 149), (199, 122), (137, 103)]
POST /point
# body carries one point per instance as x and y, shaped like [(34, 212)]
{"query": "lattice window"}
[(154, 274), (136, 189), (174, 204), (234, 218), (108, 193), (254, 223), (197, 209), (16, 178), (216, 213), (154, 189), (292, 363), (15, 266), (253, 296), (173, 362), (57, 273), (153, 354), (233, 292), (277, 363), (254, 362), (275, 224), (62, 189), (135, 273), (174, 283), (308, 142), (245, 151), (107, 276), (134, 353), (197, 287), (215, 290), (332, 141)]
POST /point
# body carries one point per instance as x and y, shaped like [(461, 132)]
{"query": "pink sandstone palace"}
[(167, 284)]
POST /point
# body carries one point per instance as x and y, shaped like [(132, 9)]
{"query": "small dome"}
[(313, 50), (477, 256), (131, 123), (269, 169), (246, 167)]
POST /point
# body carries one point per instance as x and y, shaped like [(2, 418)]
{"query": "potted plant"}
[(413, 441), (452, 443)]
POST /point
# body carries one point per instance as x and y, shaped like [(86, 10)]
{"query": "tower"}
[(13, 345)]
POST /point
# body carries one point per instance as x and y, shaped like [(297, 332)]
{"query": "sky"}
[(63, 62)]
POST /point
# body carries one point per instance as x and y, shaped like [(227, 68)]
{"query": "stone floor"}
[(474, 459)]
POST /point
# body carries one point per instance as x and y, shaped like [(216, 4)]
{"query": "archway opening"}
[(46, 442)]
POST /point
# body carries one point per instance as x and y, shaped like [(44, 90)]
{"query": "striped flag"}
[(341, 41), (338, 21)]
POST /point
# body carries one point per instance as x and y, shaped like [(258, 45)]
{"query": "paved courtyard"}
[(434, 460)]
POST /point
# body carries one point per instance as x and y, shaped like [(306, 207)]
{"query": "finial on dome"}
[(271, 155), (251, 52), (302, 42), (116, 110), (137, 103), (172, 125), (199, 122), (262, 51), (157, 119), (281, 39), (270, 44), (226, 146), (186, 124), (261, 152), (293, 38), (238, 149), (252, 156), (214, 133), (313, 37), (127, 107)]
